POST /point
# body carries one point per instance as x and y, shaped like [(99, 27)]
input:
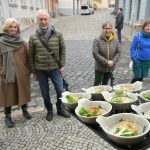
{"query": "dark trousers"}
[(119, 35), (56, 79), (7, 110), (136, 79), (101, 78)]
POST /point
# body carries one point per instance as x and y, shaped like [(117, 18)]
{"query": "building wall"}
[(134, 11), (24, 12), (66, 7), (147, 12)]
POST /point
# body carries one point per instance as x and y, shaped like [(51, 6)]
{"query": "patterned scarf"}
[(9, 43), (44, 32)]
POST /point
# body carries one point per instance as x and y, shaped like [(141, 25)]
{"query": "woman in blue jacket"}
[(140, 53)]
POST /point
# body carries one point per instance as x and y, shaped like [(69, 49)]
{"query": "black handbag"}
[(45, 44)]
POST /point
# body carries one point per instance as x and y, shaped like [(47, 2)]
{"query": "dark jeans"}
[(55, 77), (101, 78), (7, 110), (119, 35)]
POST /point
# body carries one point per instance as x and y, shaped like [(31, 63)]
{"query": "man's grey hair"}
[(42, 11)]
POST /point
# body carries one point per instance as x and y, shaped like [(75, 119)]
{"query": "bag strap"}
[(45, 44), (137, 48)]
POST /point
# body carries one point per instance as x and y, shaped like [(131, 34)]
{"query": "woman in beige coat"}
[(14, 71)]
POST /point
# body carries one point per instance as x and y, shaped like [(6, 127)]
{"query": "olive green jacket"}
[(104, 50), (40, 58)]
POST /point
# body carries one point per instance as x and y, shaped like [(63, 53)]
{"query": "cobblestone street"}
[(67, 134)]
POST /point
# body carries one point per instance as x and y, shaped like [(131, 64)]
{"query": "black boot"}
[(62, 112), (8, 121), (26, 114), (49, 115)]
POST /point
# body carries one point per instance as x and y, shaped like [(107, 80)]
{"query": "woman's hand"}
[(110, 63)]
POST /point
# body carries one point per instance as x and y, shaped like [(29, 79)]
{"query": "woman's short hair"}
[(145, 24), (107, 24), (8, 22)]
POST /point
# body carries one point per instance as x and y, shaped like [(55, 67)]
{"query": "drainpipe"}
[(77, 6), (74, 7)]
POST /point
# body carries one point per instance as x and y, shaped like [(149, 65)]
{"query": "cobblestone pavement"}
[(64, 134)]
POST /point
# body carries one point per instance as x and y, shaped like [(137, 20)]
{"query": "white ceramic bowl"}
[(97, 96), (141, 96), (135, 87), (72, 106), (85, 103), (142, 109), (121, 107), (108, 124)]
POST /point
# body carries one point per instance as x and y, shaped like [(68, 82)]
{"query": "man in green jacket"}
[(43, 64)]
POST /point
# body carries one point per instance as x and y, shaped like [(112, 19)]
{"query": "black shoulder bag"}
[(45, 44)]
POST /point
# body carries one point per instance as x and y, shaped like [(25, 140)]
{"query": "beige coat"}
[(17, 93)]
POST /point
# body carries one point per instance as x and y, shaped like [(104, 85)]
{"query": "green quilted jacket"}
[(40, 59)]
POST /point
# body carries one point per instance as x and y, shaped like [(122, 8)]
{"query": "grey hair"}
[(42, 11)]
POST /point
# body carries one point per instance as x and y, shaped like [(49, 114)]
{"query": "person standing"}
[(14, 71), (140, 53), (43, 64), (106, 52), (119, 23)]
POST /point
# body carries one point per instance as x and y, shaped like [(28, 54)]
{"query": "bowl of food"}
[(125, 128), (135, 87), (95, 91), (121, 102), (145, 96), (70, 100), (87, 111), (142, 109)]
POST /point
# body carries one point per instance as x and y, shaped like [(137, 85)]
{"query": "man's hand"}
[(62, 70), (34, 76), (110, 63)]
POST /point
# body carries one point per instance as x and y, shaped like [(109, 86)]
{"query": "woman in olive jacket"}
[(106, 52)]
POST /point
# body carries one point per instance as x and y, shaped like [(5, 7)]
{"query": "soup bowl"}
[(145, 96), (104, 107), (142, 109), (70, 100), (95, 91), (110, 126), (135, 87), (121, 102)]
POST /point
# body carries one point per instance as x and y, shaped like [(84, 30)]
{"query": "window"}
[(23, 2), (31, 2), (41, 3), (12, 1), (31, 5)]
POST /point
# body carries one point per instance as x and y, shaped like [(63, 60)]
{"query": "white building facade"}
[(23, 10)]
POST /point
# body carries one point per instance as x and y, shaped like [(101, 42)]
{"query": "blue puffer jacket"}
[(143, 49)]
